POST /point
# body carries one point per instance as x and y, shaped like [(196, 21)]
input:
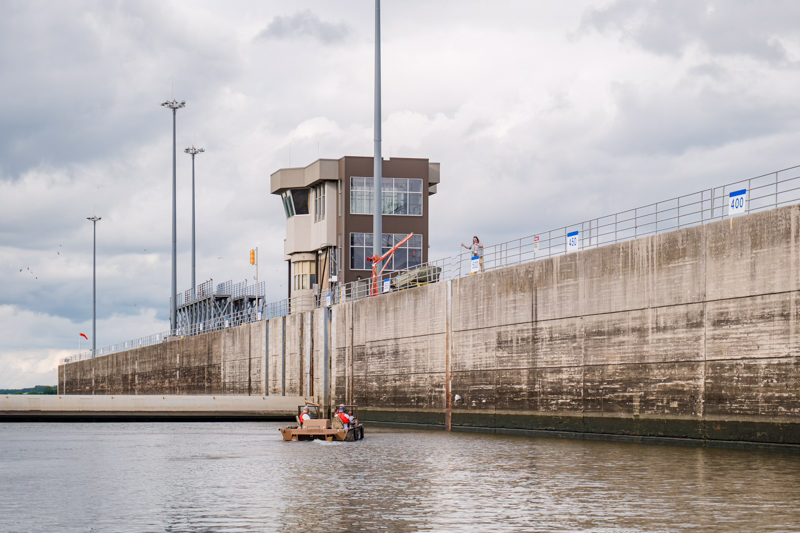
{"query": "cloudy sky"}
[(569, 110)]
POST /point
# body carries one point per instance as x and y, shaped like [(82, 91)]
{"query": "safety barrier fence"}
[(759, 193), (235, 290)]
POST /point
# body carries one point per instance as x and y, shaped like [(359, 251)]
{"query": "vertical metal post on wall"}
[(283, 356), (266, 357), (448, 376), (377, 220), (326, 362)]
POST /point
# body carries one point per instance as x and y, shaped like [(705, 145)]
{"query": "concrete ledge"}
[(638, 439), (712, 433), (767, 431), (22, 408)]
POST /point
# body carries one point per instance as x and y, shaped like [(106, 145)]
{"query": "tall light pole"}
[(94, 284), (377, 217), (173, 312), (193, 151)]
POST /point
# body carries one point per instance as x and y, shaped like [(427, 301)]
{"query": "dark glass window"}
[(300, 199), (357, 258), (400, 259)]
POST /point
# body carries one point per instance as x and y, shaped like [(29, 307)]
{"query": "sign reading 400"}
[(737, 200)]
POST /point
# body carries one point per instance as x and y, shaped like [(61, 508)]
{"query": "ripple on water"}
[(244, 477)]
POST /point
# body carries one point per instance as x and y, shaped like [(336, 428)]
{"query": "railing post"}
[(776, 190), (656, 232)]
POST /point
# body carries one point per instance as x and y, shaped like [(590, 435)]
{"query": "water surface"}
[(242, 476)]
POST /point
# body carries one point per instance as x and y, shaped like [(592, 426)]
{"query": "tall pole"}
[(173, 312), (94, 285), (377, 217), (257, 275), (193, 151), (194, 283)]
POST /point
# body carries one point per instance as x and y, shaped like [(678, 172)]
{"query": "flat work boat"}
[(322, 428)]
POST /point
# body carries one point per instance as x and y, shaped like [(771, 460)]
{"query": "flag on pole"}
[(84, 336)]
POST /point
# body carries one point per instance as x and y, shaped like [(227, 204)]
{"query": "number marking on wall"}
[(737, 202), (572, 241)]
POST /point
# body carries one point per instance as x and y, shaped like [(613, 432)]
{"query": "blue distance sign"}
[(572, 241), (737, 201)]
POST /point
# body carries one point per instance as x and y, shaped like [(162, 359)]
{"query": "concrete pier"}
[(23, 408)]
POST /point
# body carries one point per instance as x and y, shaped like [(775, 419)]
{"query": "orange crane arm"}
[(375, 260)]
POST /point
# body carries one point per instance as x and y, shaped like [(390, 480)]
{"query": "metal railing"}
[(767, 191), (119, 347)]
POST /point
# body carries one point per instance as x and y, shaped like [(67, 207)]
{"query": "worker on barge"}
[(304, 416), (346, 419)]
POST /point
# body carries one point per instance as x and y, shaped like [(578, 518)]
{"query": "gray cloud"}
[(669, 27), (563, 130), (672, 120), (305, 24), (93, 79)]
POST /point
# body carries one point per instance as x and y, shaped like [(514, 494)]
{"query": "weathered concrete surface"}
[(223, 362), (691, 334), (108, 407)]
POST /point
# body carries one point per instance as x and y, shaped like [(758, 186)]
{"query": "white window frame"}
[(361, 196), (319, 202)]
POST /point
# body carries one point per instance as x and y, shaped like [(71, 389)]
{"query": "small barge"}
[(323, 428)]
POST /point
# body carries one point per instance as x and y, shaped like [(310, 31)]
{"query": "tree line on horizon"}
[(38, 389)]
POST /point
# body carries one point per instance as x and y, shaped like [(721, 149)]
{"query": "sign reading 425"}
[(737, 201)]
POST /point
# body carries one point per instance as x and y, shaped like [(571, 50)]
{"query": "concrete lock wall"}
[(223, 362), (688, 334)]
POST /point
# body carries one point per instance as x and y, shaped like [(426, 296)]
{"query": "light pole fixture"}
[(94, 285), (193, 152), (173, 312)]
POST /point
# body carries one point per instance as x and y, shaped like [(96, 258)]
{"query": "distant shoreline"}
[(38, 389)]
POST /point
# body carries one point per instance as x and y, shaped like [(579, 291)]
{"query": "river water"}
[(243, 477)]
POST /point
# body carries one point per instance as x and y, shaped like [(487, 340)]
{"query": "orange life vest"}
[(343, 418)]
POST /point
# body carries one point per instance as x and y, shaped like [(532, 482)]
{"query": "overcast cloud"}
[(568, 110)]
